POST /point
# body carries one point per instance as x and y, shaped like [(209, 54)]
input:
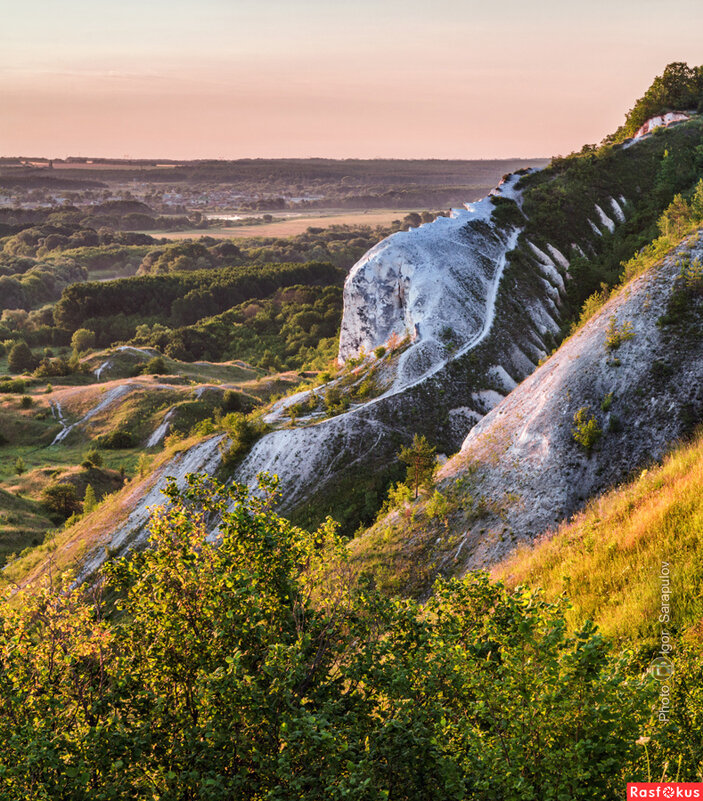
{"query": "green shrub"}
[(242, 432), (234, 401), (506, 212), (16, 385), (61, 499), (143, 464), (115, 440), (203, 427), (52, 367), (437, 506), (89, 499), (591, 305), (366, 388), (83, 339), (337, 692), (421, 459), (398, 496), (20, 359), (335, 400), (155, 366), (93, 458), (615, 336), (586, 431), (692, 276)]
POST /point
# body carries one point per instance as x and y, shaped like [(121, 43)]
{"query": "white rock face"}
[(104, 366), (108, 398), (617, 209), (434, 284), (524, 446), (596, 230), (549, 268), (605, 220), (305, 457), (500, 374), (161, 431), (663, 120), (558, 256), (279, 409)]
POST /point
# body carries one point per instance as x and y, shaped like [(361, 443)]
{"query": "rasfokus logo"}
[(665, 790)]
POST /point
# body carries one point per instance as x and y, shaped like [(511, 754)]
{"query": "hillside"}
[(451, 316), (608, 559), (522, 262), (434, 534), (108, 427), (611, 400)]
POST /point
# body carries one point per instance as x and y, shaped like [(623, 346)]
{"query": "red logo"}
[(665, 790)]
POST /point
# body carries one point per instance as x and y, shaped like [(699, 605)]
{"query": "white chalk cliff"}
[(435, 284), (477, 329)]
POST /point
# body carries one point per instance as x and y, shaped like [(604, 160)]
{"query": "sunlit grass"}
[(608, 559)]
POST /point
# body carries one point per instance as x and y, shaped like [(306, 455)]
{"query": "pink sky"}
[(379, 78)]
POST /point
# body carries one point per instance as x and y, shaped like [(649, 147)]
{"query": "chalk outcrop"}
[(141, 497), (477, 323), (435, 285), (661, 121), (521, 470)]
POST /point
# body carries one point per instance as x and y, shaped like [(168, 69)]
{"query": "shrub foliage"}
[(260, 667)]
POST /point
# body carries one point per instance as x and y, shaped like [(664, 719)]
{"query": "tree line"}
[(177, 298), (288, 330), (678, 88)]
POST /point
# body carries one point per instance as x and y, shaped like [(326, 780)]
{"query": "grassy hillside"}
[(608, 559), (114, 417), (495, 492)]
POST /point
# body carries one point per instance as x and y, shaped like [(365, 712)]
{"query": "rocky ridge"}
[(466, 308), (635, 368)]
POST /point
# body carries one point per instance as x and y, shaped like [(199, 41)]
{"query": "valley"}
[(450, 315), (384, 500)]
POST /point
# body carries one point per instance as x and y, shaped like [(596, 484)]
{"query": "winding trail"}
[(488, 319)]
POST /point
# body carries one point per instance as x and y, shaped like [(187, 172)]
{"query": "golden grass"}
[(290, 226), (608, 558)]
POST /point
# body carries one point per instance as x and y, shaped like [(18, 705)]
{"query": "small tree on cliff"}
[(420, 459)]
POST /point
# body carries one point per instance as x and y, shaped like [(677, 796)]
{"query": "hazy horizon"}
[(309, 79), (169, 160)]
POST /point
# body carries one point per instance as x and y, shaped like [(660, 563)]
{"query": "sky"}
[(189, 79)]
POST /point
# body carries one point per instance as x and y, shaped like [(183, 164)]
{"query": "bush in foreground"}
[(261, 668)]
